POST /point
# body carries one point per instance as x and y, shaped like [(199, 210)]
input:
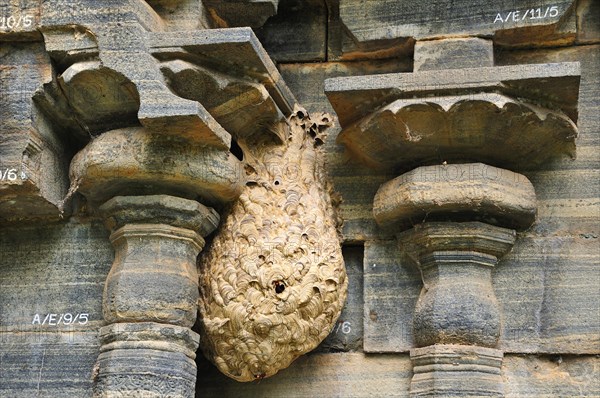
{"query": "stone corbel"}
[(452, 136)]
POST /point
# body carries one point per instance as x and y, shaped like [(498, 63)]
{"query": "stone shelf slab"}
[(137, 161), (235, 51), (495, 195), (555, 85)]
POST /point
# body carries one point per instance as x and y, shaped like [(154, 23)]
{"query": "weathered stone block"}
[(367, 375), (588, 21), (298, 33), (232, 13), (180, 15), (453, 54), (19, 21), (32, 154), (374, 21), (392, 285), (347, 334), (51, 281), (335, 375)]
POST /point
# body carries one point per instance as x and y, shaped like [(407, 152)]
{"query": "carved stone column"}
[(144, 184), (456, 324), (457, 318), (150, 296), (454, 219), (157, 115)]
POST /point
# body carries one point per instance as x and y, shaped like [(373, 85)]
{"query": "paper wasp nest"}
[(273, 282)]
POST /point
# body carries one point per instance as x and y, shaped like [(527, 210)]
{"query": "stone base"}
[(146, 360), (456, 371)]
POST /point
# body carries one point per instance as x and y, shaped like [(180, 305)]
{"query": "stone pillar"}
[(142, 184), (166, 126), (456, 324), (448, 370), (150, 297), (457, 318), (456, 219)]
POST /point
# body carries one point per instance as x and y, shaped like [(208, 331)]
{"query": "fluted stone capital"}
[(159, 209)]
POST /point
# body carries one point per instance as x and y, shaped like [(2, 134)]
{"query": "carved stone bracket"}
[(399, 121), (455, 219), (188, 86)]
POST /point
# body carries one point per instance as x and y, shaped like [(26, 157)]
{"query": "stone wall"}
[(54, 261)]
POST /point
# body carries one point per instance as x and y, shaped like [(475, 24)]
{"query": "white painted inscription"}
[(11, 22), (8, 175), (345, 327), (529, 14), (60, 319)]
